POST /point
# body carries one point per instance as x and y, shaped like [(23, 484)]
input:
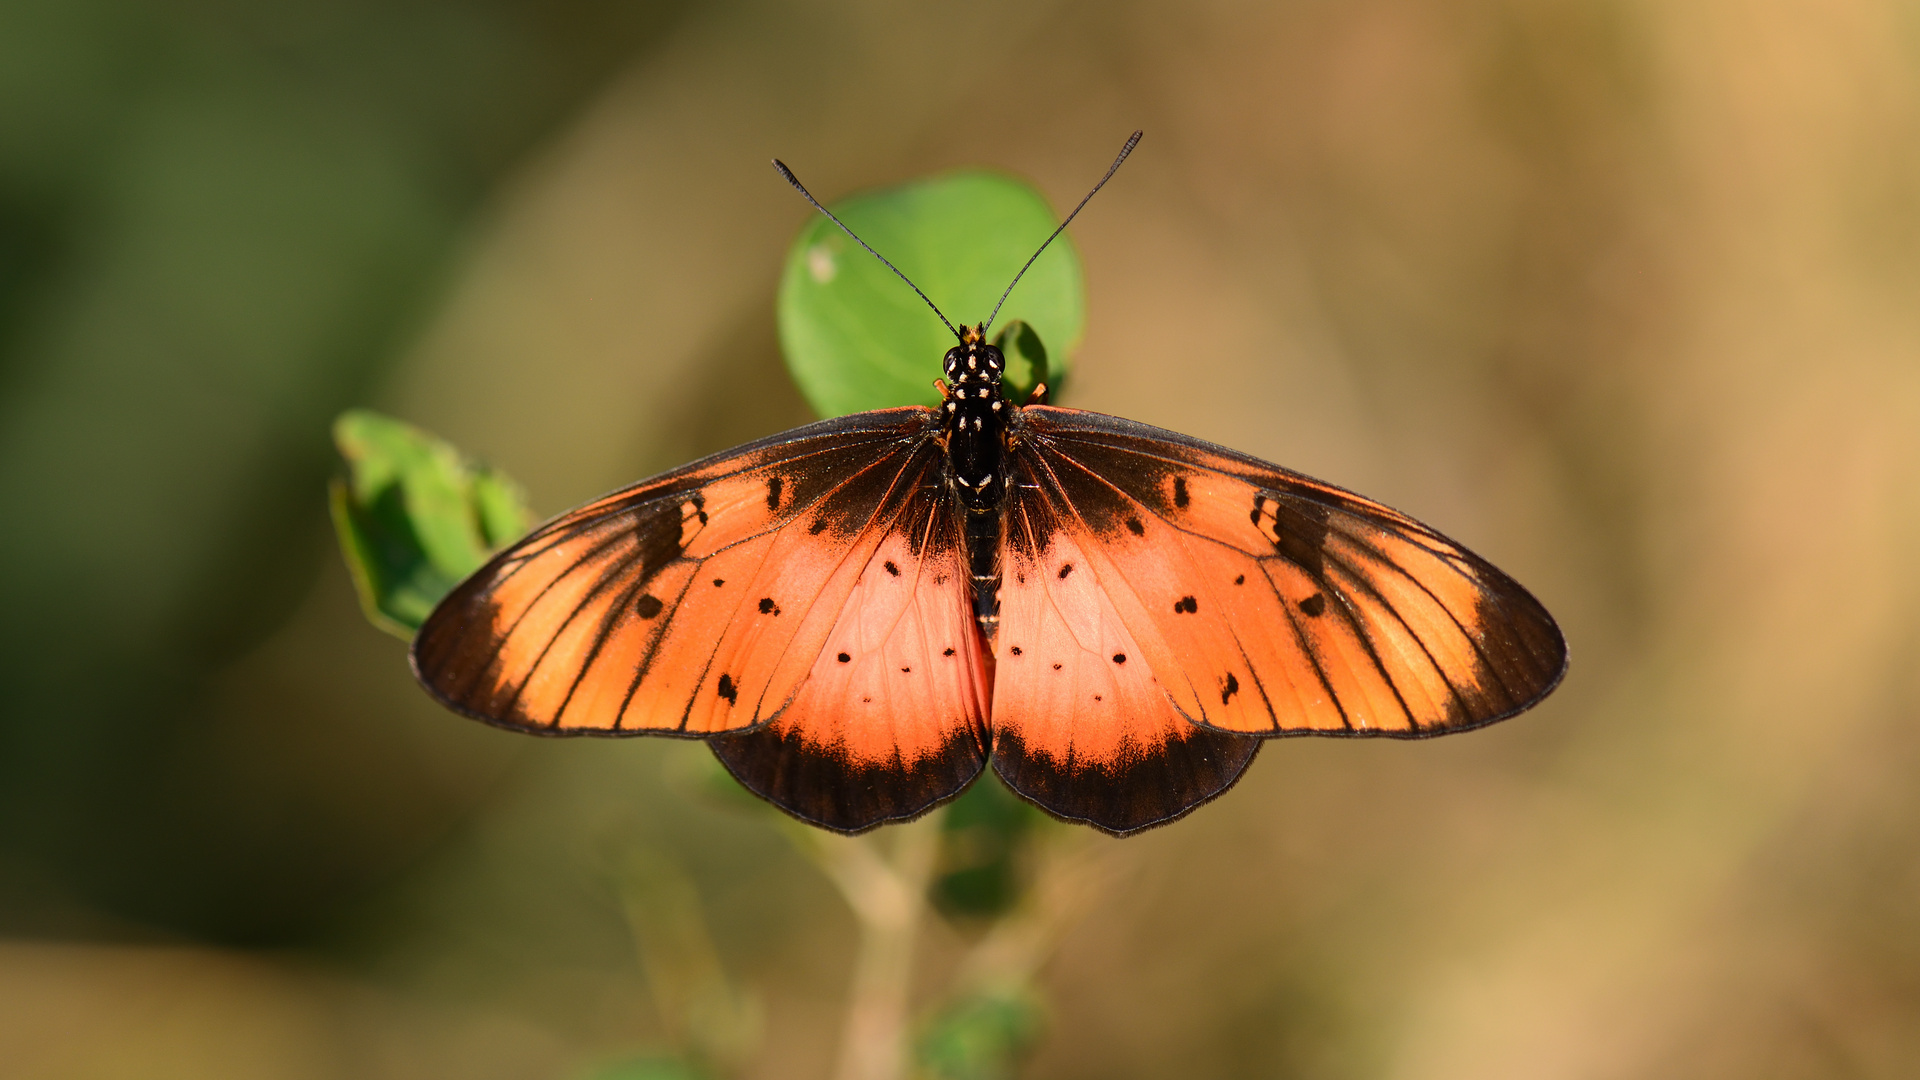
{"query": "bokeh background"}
[(1624, 294)]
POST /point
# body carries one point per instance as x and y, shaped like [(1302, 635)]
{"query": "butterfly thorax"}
[(973, 421)]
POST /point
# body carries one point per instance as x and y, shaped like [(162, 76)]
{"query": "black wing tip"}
[(509, 723), (1537, 696)]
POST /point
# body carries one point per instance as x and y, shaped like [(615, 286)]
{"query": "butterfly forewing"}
[(610, 617), (1271, 603)]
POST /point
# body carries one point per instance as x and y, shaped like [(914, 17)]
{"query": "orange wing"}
[(1276, 604), (1254, 600), (1082, 725), (810, 586)]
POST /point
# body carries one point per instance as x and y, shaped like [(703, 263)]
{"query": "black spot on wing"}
[(1065, 569), (727, 690), (1134, 527), (1314, 605), (1229, 687), (1119, 658), (774, 484), (1186, 605), (892, 570), (949, 652), (1180, 492), (844, 658), (647, 606), (768, 607)]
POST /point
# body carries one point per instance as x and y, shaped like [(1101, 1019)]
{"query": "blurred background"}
[(1625, 295)]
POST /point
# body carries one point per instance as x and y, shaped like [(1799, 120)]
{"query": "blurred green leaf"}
[(982, 1037), (983, 846), (414, 516), (500, 506), (1026, 362), (856, 338)]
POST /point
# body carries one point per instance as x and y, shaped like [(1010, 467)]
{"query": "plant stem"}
[(888, 897), (1073, 870)]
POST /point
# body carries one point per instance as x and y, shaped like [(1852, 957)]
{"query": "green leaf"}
[(984, 842), (857, 338), (1026, 362), (414, 516), (982, 1037)]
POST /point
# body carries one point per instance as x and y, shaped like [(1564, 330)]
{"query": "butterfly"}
[(862, 614)]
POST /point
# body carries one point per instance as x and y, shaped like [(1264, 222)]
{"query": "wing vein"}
[(1057, 489)]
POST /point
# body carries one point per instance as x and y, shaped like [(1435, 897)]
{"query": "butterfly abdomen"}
[(983, 532), (974, 423)]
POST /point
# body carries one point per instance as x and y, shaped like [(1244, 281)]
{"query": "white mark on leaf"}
[(820, 264)]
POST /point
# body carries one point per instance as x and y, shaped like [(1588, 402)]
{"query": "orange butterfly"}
[(860, 614)]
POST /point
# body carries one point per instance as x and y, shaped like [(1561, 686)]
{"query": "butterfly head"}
[(974, 367)]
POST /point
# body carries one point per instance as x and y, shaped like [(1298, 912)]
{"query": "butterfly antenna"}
[(1132, 141), (804, 193)]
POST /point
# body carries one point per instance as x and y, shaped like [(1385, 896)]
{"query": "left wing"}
[(891, 720), (806, 589)]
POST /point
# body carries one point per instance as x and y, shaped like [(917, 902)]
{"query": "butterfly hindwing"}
[(892, 716), (1083, 725), (1270, 603)]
